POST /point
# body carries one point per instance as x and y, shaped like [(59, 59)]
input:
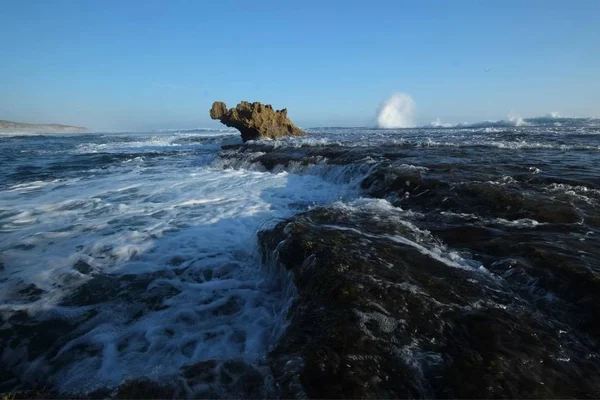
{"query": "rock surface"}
[(255, 120), (378, 316)]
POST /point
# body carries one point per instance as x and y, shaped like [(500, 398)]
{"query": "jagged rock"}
[(255, 120), (378, 316)]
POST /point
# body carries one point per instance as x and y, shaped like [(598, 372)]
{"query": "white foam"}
[(437, 123), (140, 142), (520, 223), (396, 112), (590, 196), (420, 239), (190, 231)]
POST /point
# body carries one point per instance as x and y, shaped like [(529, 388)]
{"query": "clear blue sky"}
[(160, 64)]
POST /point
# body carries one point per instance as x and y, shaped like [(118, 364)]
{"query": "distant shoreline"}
[(18, 127)]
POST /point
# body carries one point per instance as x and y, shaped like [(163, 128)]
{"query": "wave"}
[(514, 120), (196, 130)]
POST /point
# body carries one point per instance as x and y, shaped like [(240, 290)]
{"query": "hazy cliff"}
[(10, 127)]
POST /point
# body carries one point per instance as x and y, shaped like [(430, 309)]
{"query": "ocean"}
[(459, 261)]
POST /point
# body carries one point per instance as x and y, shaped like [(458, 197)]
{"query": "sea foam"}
[(154, 265)]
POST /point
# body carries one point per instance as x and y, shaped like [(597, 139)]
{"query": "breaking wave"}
[(514, 120)]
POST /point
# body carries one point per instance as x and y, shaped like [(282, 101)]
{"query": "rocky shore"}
[(379, 316), (433, 274)]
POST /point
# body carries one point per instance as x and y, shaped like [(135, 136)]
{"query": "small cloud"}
[(171, 86)]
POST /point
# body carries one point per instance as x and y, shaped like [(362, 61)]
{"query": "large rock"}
[(255, 120), (381, 311)]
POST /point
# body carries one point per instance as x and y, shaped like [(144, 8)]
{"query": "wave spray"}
[(396, 112), (515, 119)]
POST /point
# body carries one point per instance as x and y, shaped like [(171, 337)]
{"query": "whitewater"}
[(150, 236), (129, 256)]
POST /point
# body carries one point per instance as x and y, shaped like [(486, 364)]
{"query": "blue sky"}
[(159, 64)]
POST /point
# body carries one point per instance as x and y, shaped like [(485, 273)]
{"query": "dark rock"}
[(146, 389), (82, 267), (437, 189), (40, 393), (176, 261), (31, 293), (255, 120), (377, 317), (227, 379)]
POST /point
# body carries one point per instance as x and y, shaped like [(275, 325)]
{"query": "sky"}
[(142, 65)]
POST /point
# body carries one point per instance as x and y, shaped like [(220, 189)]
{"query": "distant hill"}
[(12, 127)]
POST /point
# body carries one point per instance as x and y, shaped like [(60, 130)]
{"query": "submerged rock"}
[(255, 120)]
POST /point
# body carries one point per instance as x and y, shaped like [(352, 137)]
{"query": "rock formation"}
[(255, 120), (375, 315)]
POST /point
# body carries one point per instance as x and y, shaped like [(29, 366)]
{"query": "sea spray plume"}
[(396, 112), (515, 119)]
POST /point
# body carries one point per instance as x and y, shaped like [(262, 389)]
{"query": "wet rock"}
[(146, 389), (176, 261), (438, 189), (381, 312), (31, 293), (227, 379), (24, 246), (83, 267), (23, 339), (255, 120), (41, 393)]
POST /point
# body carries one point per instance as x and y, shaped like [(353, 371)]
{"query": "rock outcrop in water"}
[(255, 120)]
